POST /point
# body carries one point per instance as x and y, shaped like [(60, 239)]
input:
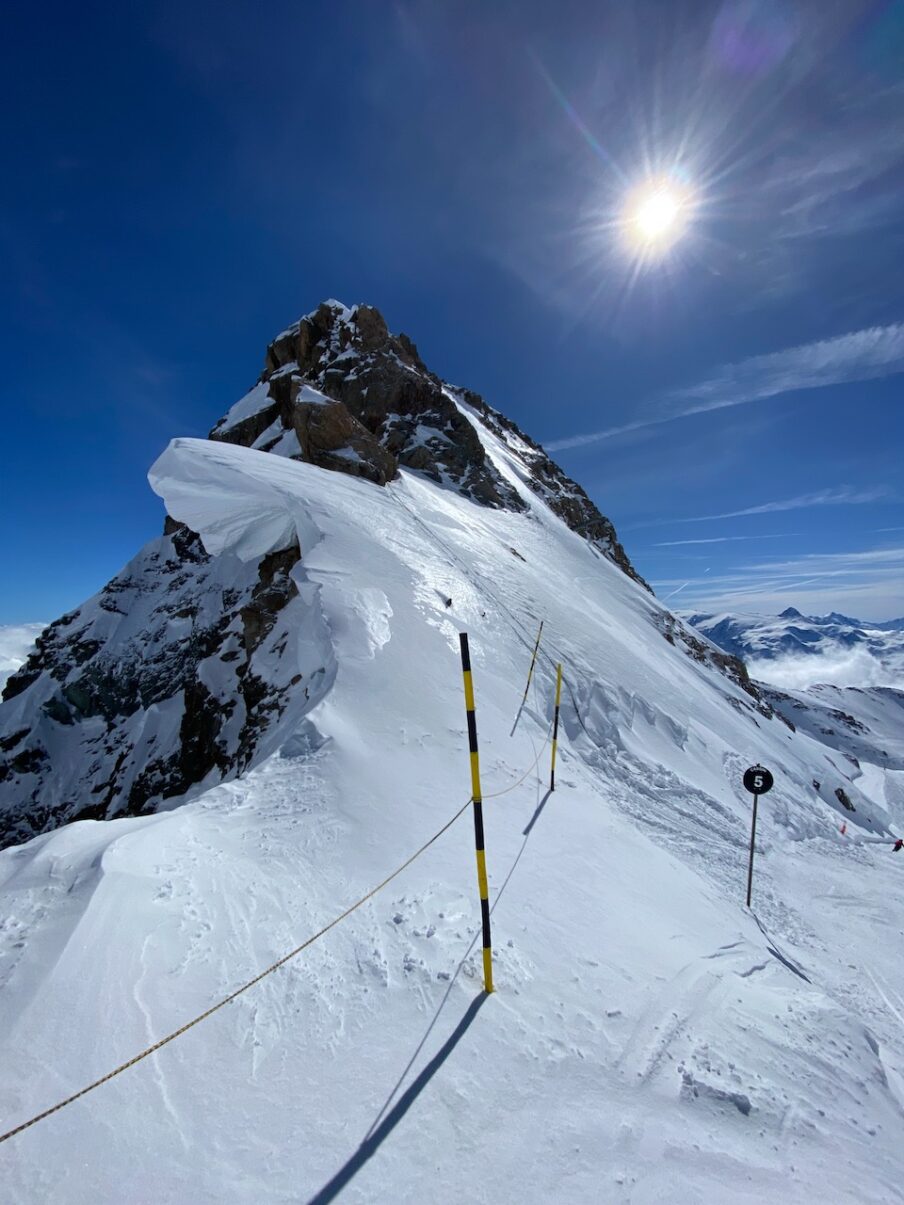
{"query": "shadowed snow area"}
[(649, 1039)]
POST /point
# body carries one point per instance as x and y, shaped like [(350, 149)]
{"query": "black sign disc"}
[(758, 780)]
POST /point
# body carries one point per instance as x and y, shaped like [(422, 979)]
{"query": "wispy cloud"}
[(843, 496), (725, 539), (863, 355), (823, 179), (868, 583), (830, 564)]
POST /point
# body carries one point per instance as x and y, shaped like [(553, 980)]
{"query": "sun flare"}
[(656, 215)]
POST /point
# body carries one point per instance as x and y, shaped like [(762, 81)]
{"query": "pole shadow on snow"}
[(536, 816), (385, 1122), (517, 718), (773, 949), (380, 1132)]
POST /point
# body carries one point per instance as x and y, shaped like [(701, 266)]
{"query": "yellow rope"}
[(244, 988), (496, 794), (270, 969)]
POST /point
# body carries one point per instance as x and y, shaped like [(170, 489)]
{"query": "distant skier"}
[(448, 603), (898, 845)]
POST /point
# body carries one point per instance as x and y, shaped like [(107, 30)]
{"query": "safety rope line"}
[(270, 969), (520, 632), (176, 1033), (238, 992), (533, 662), (528, 771)]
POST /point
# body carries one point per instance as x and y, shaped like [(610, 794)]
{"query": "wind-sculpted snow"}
[(238, 500)]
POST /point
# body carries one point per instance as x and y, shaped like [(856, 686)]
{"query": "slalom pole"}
[(533, 662), (477, 799), (530, 674), (555, 727)]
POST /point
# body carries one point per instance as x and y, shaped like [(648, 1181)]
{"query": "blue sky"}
[(182, 181)]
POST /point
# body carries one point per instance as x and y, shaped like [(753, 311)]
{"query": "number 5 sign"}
[(757, 780)]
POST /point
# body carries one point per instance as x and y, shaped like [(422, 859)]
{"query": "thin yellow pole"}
[(555, 727), (533, 662), (477, 798)]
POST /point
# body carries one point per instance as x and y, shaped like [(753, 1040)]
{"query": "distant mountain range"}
[(757, 638)]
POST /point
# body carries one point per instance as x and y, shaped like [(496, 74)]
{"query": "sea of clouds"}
[(835, 664)]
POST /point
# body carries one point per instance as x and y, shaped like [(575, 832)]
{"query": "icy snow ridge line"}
[(190, 477)]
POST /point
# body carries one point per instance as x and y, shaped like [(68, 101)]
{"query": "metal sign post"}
[(757, 780)]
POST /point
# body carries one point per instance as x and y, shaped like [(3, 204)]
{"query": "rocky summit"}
[(172, 678)]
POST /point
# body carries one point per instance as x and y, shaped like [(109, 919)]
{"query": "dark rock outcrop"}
[(563, 496), (360, 400), (384, 408), (166, 679)]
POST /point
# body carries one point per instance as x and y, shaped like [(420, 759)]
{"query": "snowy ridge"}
[(173, 677), (650, 1039), (670, 1040)]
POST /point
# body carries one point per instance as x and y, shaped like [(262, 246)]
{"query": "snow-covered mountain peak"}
[(339, 390), (178, 673), (795, 649), (207, 650)]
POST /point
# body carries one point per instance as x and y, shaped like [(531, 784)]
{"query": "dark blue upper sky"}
[(184, 180)]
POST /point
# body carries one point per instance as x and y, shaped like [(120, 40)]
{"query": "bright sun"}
[(655, 216)]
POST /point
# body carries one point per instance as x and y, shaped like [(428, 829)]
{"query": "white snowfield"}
[(649, 1041)]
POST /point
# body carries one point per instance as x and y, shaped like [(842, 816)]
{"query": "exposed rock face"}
[(384, 407), (179, 672), (168, 678), (562, 495), (678, 634), (361, 400)]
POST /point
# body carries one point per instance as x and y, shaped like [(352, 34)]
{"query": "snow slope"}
[(837, 679), (649, 1040)]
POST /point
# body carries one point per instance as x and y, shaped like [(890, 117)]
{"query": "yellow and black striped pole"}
[(555, 727), (477, 798), (533, 662)]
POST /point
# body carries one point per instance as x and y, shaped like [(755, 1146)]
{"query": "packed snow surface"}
[(650, 1039)]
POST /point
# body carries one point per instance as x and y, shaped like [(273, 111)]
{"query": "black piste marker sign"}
[(757, 780)]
